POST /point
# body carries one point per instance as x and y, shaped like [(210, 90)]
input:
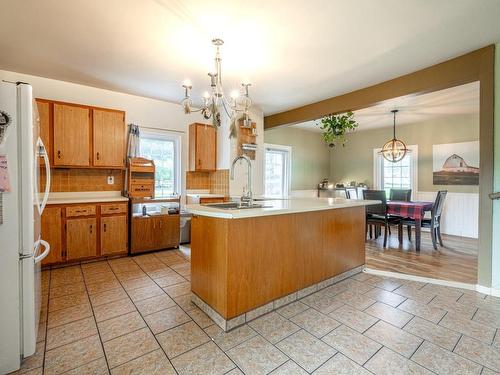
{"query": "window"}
[(400, 175), (277, 170), (163, 148)]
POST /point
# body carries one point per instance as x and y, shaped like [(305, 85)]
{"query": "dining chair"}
[(376, 214), (402, 195), (434, 223)]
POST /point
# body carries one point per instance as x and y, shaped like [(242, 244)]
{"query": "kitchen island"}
[(247, 262)]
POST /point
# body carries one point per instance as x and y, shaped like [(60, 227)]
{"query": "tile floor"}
[(134, 316)]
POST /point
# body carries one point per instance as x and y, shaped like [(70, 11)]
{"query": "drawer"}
[(73, 211), (113, 208), (145, 190)]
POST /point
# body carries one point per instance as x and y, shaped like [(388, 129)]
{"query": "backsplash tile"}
[(216, 182), (75, 179)]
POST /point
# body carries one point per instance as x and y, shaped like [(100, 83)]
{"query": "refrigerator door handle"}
[(42, 151), (46, 252)]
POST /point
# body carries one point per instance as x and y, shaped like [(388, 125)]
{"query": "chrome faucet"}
[(247, 195)]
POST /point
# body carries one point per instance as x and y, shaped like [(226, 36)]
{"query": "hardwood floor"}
[(456, 261)]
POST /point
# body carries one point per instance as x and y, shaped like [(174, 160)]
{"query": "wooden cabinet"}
[(81, 238), (52, 233), (113, 235), (155, 232), (202, 147), (108, 138), (168, 231), (44, 126), (71, 135)]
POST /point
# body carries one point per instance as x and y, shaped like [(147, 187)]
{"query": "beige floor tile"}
[(104, 277), (185, 302), (414, 293), (389, 314), (362, 277), (96, 367), (431, 313), (154, 363), (70, 332), (292, 309), (352, 344), (163, 272), (340, 365), (306, 350), (315, 322), (477, 351), (468, 327), (107, 297), (487, 371), (68, 315), (64, 290), (154, 304), (355, 286), (178, 289), (76, 354), (181, 339), (113, 309), (389, 298), (353, 318), (396, 339), (61, 279), (273, 327), (36, 360), (69, 300), (442, 361), (205, 359), (200, 318), (141, 282), (121, 325), (487, 317), (42, 331), (130, 275), (98, 286), (436, 334), (388, 284), (149, 267), (257, 356), (289, 368), (169, 280), (165, 319), (145, 293), (130, 346), (228, 340), (443, 291), (355, 299), (322, 301), (34, 371), (387, 362), (457, 308), (122, 268)]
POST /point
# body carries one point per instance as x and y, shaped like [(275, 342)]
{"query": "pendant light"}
[(395, 149)]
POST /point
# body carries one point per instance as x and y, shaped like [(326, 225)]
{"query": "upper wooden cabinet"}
[(82, 136), (109, 138), (71, 135), (202, 147)]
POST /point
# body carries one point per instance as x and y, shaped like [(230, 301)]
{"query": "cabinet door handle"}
[(90, 228), (105, 227), (59, 154), (98, 156)]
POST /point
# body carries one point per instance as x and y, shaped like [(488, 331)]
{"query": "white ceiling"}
[(458, 100), (293, 51)]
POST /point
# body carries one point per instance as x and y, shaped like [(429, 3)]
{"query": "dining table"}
[(411, 210)]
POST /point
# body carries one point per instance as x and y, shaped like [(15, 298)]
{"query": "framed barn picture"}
[(456, 163)]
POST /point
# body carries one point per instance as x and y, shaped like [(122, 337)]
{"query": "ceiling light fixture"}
[(395, 149), (216, 101)]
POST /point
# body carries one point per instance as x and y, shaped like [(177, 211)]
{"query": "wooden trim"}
[(80, 105), (474, 66)]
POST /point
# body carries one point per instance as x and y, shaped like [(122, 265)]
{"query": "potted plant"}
[(335, 128)]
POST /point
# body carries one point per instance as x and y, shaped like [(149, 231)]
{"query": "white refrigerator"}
[(22, 156)]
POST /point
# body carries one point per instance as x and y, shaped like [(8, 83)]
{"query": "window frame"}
[(377, 169), (166, 135), (288, 168)]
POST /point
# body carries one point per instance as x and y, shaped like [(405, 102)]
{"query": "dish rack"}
[(141, 178)]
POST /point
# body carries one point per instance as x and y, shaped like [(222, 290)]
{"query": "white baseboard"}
[(454, 284)]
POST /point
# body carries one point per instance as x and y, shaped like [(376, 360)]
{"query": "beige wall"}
[(310, 155), (355, 160)]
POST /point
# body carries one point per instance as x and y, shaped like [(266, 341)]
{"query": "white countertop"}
[(279, 207), (86, 197), (205, 195)]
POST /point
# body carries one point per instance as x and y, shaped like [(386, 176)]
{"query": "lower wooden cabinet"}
[(154, 232), (113, 235), (52, 233), (81, 238), (169, 231)]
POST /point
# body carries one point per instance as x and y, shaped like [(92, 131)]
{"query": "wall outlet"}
[(111, 180)]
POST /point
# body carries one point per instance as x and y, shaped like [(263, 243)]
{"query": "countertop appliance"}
[(21, 247)]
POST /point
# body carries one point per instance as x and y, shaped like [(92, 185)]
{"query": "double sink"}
[(237, 205)]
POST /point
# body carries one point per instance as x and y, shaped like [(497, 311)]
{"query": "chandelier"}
[(395, 149), (216, 101)]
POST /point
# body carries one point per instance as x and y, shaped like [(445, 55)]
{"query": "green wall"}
[(354, 162), (310, 155)]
